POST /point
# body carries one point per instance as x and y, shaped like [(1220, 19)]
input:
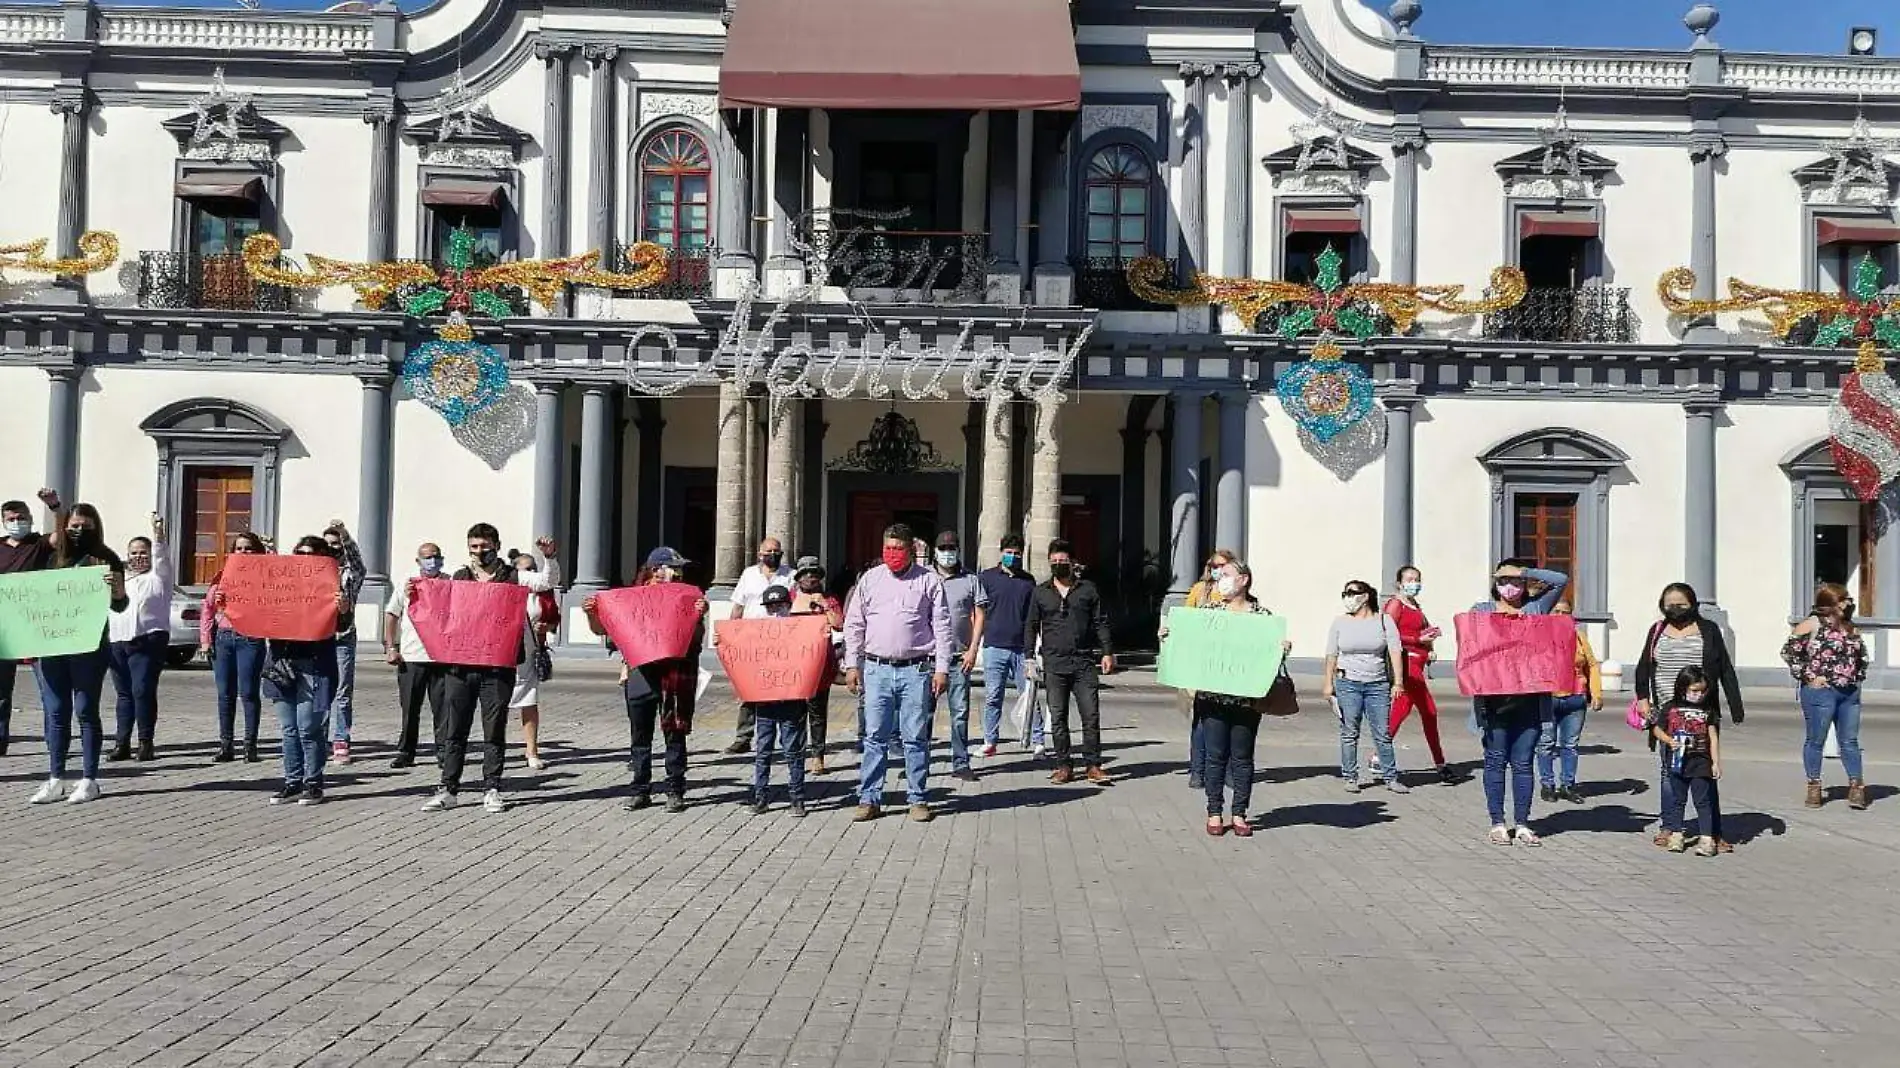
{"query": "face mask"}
[(79, 535), (1064, 571), (1012, 559), (1226, 585), (139, 567), (431, 565), (486, 557), (811, 585), (1676, 613), (946, 558), (1411, 589), (1693, 698), (1510, 592), (771, 559), (779, 610), (1353, 604), (667, 574), (19, 528), (898, 560)]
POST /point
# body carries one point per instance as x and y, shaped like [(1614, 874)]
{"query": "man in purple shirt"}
[(897, 641)]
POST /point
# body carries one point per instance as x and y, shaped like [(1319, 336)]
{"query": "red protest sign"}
[(649, 623), (1500, 655), (473, 624), (782, 659), (292, 598)]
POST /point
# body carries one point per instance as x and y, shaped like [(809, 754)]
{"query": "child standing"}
[(1694, 739), (781, 725)]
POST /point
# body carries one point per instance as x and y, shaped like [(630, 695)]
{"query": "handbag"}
[(1281, 698), (543, 663), (279, 674), (1634, 715)]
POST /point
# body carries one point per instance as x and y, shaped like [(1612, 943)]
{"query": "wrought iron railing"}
[(1592, 314), (930, 266), (1102, 282), (689, 273), (188, 280)]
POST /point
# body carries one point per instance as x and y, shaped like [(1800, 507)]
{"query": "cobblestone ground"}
[(180, 920)]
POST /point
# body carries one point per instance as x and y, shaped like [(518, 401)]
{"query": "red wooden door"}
[(870, 513), (1081, 524)]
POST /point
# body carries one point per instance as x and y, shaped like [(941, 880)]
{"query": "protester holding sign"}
[(351, 572), (21, 551), (237, 661), (1230, 723), (1511, 723), (141, 636), (70, 683), (659, 690), (544, 616), (299, 677), (417, 679), (811, 599), (780, 726)]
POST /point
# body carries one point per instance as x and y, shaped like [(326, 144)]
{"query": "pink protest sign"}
[(649, 623), (782, 659), (292, 598), (1500, 654), (473, 624)]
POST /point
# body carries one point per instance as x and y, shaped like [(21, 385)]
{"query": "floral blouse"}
[(1828, 653)]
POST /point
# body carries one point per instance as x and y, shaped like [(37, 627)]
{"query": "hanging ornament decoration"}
[(1864, 419), (1328, 397), (455, 375), (98, 250)]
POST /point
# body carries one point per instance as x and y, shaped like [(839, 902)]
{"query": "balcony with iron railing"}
[(188, 281), (1593, 314), (689, 273), (926, 266), (1102, 282)]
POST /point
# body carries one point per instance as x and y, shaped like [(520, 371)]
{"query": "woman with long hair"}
[(1828, 659), (1414, 691), (659, 694), (1683, 638), (299, 679), (1230, 724), (1199, 595), (237, 662), (544, 616), (70, 685)]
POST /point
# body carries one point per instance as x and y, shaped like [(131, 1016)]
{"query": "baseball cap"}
[(664, 556), (808, 565), (775, 595)]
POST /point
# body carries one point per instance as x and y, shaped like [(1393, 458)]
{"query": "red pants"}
[(1415, 692)]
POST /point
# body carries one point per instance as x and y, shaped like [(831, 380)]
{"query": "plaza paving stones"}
[(182, 921)]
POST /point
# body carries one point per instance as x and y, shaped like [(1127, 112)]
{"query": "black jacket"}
[(1715, 664), (1073, 629)]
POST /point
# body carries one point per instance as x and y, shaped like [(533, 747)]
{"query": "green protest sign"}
[(53, 613), (1236, 653)]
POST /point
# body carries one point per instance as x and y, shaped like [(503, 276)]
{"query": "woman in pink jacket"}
[(237, 662)]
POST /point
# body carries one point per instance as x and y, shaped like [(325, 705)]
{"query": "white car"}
[(186, 607)]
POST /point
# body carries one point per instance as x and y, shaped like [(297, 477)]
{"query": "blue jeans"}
[(1002, 668), (343, 702), (303, 712), (236, 664), (1511, 725), (1838, 707), (135, 668), (957, 689), (1671, 800), (778, 727), (896, 705), (1367, 703), (69, 688), (1557, 740)]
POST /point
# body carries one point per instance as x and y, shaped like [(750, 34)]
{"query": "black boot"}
[(146, 754), (121, 751), (226, 753), (250, 751)]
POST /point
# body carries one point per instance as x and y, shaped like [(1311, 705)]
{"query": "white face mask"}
[(1227, 585), (1353, 604), (19, 528), (946, 558), (1411, 589)]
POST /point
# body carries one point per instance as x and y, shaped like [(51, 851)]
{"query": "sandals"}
[(1215, 827), (1524, 836), (1500, 836), (1527, 837), (1241, 828)]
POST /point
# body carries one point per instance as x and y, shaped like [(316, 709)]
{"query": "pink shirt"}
[(898, 616)]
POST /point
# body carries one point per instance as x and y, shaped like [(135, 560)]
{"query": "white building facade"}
[(897, 289)]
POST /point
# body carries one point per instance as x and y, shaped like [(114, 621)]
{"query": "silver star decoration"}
[(461, 108), (1861, 159), (1323, 138), (228, 106), (1561, 146)]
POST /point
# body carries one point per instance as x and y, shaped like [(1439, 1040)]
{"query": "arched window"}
[(676, 191), (1118, 184)]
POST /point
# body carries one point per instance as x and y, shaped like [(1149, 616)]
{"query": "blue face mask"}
[(431, 565), (1012, 559)]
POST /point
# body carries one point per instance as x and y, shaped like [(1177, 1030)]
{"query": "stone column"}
[(62, 431), (380, 114), (1400, 401), (729, 496), (1045, 485), (1194, 167), (1230, 487), (601, 152), (373, 480), (1698, 498), (992, 520), (1239, 181), (781, 470), (1184, 486), (550, 465), (597, 450), (554, 146), (73, 104), (1704, 150), (1407, 142)]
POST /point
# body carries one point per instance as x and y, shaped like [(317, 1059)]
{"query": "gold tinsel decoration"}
[(542, 280), (1783, 307), (97, 251), (1249, 297)]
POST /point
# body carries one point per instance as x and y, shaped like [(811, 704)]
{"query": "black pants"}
[(643, 714), (1082, 681), (817, 719), (136, 665), (7, 670), (463, 690), (1228, 732), (416, 683)]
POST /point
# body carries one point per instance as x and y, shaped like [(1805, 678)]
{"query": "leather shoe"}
[(921, 814), (1097, 776), (145, 753), (403, 760), (1062, 776), (226, 754), (250, 753), (866, 813), (122, 751)]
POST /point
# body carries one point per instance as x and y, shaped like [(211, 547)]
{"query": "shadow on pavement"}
[(1348, 816)]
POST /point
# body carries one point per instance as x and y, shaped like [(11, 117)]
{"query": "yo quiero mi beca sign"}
[(775, 659), (53, 613)]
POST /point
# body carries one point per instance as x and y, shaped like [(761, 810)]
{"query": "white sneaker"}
[(1040, 752), (1375, 762), (87, 790), (53, 790), (442, 801), (492, 802)]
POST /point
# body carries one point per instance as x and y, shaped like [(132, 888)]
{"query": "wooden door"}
[(217, 507), (868, 514), (1081, 525)]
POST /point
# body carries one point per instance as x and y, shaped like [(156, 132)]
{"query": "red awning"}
[(1556, 224), (463, 194), (220, 187), (1001, 55), (1856, 231), (1326, 221)]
